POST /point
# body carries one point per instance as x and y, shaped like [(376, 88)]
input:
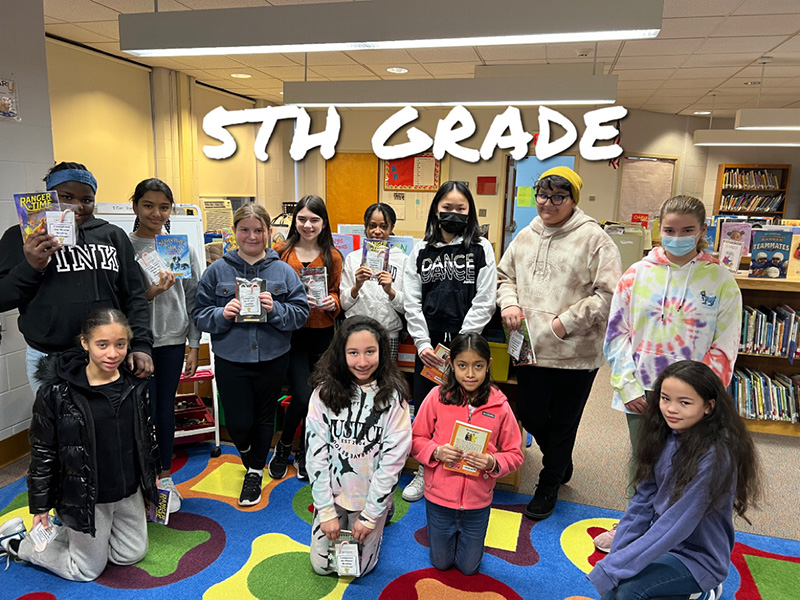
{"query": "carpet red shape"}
[(406, 586)]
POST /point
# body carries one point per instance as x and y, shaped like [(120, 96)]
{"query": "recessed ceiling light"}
[(241, 75), (752, 83), (397, 70), (702, 112)]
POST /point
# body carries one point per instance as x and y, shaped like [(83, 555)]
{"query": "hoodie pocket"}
[(546, 344)]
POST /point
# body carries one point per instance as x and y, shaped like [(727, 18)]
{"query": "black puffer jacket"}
[(64, 453)]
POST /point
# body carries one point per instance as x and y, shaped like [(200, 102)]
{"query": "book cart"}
[(769, 293)]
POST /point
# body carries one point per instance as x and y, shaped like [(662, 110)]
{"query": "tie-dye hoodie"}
[(662, 313), (354, 458)]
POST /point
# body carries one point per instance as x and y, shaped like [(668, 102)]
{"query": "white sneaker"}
[(174, 497), (714, 594), (416, 489), (13, 529)]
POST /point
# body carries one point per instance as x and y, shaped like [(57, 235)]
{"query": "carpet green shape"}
[(18, 502), (303, 499), (776, 579), (167, 547), (288, 575)]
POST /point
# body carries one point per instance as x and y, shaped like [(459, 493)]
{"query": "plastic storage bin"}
[(500, 361)]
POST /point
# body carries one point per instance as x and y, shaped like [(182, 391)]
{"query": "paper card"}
[(152, 265), (41, 536), (62, 225), (515, 341), (347, 559), (248, 292)]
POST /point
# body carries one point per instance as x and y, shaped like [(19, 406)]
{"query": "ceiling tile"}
[(740, 44), (322, 58), (652, 84), (450, 69), (415, 70), (342, 71), (445, 55), (691, 84), (770, 71), (513, 52), (648, 62), (699, 8), (140, 6), (78, 10), (264, 60), (353, 78), (792, 45), (571, 51), (291, 73), (206, 4), (643, 74), (736, 82), (209, 62), (704, 72), (48, 20), (381, 56), (688, 27), (661, 47), (770, 7), (750, 25), (109, 29), (112, 48), (75, 33), (730, 59)]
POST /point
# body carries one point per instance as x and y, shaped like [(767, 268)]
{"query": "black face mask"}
[(453, 222)]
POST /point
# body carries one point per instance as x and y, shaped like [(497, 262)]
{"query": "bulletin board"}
[(645, 183), (420, 173)]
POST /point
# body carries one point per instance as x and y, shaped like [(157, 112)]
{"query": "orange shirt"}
[(318, 318)]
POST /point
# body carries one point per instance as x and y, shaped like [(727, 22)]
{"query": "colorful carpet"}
[(215, 550)]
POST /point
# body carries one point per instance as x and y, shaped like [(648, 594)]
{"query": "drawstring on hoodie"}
[(683, 293)]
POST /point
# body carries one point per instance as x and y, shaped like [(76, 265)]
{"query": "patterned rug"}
[(215, 550)]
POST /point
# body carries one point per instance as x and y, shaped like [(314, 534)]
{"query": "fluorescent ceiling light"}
[(397, 70), (384, 24), (702, 112), (598, 89), (776, 119), (733, 137)]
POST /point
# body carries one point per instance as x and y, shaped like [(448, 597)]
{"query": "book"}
[(32, 209), (737, 231), (793, 269), (344, 554), (152, 265), (375, 256), (404, 242), (642, 218), (346, 243), (520, 345), (159, 512), (315, 282), (730, 254), (770, 253), (247, 293), (173, 249), (711, 237), (61, 224), (469, 438), (438, 375)]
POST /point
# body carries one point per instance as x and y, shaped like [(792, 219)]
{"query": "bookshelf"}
[(769, 293), (752, 190)]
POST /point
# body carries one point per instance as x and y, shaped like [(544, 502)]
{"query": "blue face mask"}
[(679, 246)]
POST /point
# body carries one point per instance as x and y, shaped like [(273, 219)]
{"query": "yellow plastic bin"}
[(500, 361)]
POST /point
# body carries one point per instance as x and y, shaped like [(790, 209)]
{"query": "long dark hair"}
[(451, 391), (336, 384), (472, 233), (325, 240), (151, 185), (722, 429)]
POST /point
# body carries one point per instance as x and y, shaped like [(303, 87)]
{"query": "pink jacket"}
[(433, 427)]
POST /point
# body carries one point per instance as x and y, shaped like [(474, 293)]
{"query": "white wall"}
[(26, 152)]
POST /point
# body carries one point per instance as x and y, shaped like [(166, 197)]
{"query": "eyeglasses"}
[(555, 200)]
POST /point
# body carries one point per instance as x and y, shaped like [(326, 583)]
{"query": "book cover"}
[(434, 374), (32, 209), (642, 218), (375, 256), (793, 269), (61, 224), (247, 293), (315, 282), (730, 254), (152, 265), (737, 231), (520, 345), (770, 253), (346, 243), (791, 222), (404, 242), (173, 249), (159, 512), (711, 237), (469, 438)]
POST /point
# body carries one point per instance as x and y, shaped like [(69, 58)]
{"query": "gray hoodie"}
[(568, 272)]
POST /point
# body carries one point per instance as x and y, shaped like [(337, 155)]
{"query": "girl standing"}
[(696, 466), (250, 358), (358, 434), (93, 456), (677, 303), (171, 302), (449, 287), (310, 244), (457, 504), (380, 298)]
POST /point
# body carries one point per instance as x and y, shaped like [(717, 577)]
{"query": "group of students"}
[(669, 314)]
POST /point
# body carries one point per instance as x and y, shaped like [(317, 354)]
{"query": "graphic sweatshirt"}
[(698, 534), (354, 457), (567, 272), (100, 271), (662, 313)]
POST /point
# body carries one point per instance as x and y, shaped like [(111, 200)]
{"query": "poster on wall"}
[(9, 104), (418, 173), (644, 185)]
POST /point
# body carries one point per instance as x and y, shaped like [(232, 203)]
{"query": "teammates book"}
[(173, 249), (32, 209), (770, 254)]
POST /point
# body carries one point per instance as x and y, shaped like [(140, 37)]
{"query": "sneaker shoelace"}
[(252, 484)]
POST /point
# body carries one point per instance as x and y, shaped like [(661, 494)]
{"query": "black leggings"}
[(550, 404), (249, 392), (308, 344), (168, 363)]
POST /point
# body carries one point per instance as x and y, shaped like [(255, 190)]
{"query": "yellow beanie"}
[(574, 179)]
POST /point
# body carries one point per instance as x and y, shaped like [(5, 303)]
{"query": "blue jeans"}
[(31, 362), (666, 578), (456, 536)]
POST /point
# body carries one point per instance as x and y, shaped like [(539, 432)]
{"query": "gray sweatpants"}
[(369, 549), (120, 537)]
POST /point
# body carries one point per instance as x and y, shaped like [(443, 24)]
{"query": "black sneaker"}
[(542, 504), (279, 461), (251, 490), (300, 465), (568, 473)]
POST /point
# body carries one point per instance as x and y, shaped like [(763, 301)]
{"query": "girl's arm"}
[(207, 315), (412, 301), (422, 443), (394, 448), (19, 280), (618, 346), (508, 454), (318, 459), (348, 281), (605, 268), (292, 313), (628, 559), (45, 464), (721, 356), (334, 281), (483, 303)]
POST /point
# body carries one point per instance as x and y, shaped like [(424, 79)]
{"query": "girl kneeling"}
[(458, 504), (358, 435)]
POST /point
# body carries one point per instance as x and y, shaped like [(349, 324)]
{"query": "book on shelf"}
[(791, 222), (750, 202), (469, 438), (793, 268), (770, 253), (730, 254), (759, 396), (736, 230), (769, 332), (750, 179)]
